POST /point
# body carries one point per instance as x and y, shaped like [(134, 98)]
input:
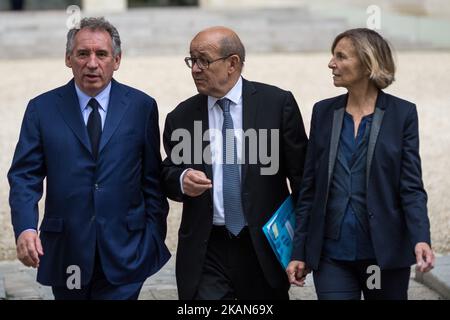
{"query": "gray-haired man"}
[(97, 143)]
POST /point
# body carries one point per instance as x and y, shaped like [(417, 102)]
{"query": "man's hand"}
[(424, 257), (296, 272), (195, 183), (29, 248)]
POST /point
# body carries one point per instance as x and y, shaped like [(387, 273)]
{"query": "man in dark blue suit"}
[(97, 143)]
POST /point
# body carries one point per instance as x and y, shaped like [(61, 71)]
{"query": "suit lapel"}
[(338, 117), (118, 105), (69, 108), (249, 111), (374, 131)]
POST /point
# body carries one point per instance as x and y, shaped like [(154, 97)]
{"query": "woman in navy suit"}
[(362, 210)]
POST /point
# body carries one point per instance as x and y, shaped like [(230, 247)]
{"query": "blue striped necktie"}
[(231, 184)]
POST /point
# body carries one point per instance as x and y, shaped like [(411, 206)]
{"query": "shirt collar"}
[(235, 95), (102, 98), (367, 118)]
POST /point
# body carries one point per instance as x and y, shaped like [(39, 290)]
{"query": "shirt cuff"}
[(181, 179), (34, 230)]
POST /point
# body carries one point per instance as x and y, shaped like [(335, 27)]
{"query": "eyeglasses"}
[(202, 63)]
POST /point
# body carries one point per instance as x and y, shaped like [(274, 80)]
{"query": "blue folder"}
[(279, 230)]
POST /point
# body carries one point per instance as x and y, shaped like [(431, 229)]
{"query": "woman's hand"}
[(296, 272)]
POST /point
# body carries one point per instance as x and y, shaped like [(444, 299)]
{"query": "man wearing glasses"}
[(222, 251)]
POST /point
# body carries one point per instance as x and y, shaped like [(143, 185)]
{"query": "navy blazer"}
[(396, 199), (115, 204)]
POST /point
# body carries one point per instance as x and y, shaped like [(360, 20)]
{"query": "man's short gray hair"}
[(233, 45), (95, 24)]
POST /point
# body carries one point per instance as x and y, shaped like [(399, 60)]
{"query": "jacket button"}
[(96, 186), (370, 215)]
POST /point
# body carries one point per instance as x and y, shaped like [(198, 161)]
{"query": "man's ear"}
[(117, 60), (68, 62), (235, 63)]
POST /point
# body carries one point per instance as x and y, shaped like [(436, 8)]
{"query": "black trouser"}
[(231, 270), (345, 280)]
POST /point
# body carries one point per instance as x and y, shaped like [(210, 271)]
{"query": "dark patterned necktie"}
[(231, 185), (94, 126)]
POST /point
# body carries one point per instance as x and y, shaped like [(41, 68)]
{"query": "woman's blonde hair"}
[(374, 52)]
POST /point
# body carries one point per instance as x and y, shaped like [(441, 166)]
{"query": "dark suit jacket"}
[(115, 204), (264, 107), (396, 199)]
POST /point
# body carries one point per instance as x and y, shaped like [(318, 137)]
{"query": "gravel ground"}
[(423, 78)]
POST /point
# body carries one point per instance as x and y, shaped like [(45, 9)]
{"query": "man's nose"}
[(331, 64), (92, 62), (195, 67)]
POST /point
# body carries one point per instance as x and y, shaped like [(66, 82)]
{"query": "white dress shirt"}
[(102, 98), (215, 117)]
